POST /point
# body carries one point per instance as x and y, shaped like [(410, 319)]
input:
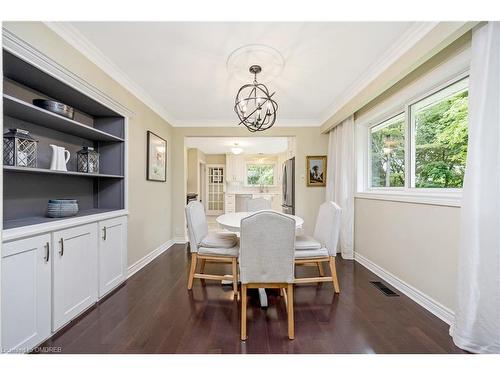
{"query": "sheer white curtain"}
[(340, 181), (477, 318)]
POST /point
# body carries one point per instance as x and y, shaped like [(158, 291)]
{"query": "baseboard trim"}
[(180, 240), (145, 260), (431, 305)]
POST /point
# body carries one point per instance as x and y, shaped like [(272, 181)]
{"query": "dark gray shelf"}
[(21, 110), (21, 71), (63, 173), (10, 224)]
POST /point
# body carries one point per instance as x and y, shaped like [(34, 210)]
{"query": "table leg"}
[(262, 297)]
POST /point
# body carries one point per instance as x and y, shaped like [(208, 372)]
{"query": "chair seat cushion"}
[(219, 240), (306, 243), (222, 252), (311, 253)]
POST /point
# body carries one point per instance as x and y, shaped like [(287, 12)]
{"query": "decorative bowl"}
[(62, 207), (55, 107)]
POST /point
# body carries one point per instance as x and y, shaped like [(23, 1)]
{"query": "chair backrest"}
[(267, 247), (197, 224), (258, 204), (327, 227)]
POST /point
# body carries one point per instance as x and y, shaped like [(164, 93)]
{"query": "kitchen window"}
[(260, 174), (420, 149)]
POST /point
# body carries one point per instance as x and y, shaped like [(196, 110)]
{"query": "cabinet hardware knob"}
[(47, 252), (104, 233), (61, 252)]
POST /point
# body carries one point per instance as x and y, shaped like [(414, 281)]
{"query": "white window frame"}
[(408, 193), (275, 172)]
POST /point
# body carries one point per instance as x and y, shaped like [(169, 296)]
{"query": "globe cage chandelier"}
[(254, 106)]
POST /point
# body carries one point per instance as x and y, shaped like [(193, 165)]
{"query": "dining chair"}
[(267, 243), (322, 246), (258, 204), (215, 247)]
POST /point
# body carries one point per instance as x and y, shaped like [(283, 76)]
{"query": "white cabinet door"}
[(26, 293), (74, 272), (112, 253), (240, 166)]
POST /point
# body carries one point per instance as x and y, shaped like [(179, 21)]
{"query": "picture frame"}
[(156, 168), (316, 167)]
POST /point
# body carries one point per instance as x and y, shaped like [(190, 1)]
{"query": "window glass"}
[(260, 174), (440, 144), (387, 153)]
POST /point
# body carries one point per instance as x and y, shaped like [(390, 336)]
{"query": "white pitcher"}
[(60, 156)]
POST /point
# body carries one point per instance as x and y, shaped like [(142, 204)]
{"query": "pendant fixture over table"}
[(254, 105)]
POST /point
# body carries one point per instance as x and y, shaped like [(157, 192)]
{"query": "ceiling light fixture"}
[(254, 106), (236, 150)]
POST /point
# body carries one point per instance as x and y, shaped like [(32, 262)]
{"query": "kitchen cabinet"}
[(75, 272), (112, 254), (26, 292), (235, 168), (229, 203)]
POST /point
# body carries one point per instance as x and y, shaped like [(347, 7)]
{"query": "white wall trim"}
[(25, 51), (181, 240), (145, 260), (280, 123), (78, 41), (442, 312)]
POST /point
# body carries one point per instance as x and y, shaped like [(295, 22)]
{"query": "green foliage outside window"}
[(440, 146), (260, 174), (388, 152), (441, 143)]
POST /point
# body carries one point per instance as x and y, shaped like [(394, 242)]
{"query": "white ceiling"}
[(250, 145), (180, 67)]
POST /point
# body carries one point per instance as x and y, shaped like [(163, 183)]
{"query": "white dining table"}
[(232, 222)]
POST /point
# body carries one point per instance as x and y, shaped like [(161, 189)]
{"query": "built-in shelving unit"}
[(62, 173), (27, 190), (21, 110)]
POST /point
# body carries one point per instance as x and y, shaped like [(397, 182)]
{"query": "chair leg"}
[(243, 312), (235, 276), (333, 270), (194, 258), (291, 328), (202, 265), (320, 269)]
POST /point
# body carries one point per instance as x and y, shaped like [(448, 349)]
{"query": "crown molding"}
[(415, 46), (280, 123), (18, 47), (78, 41)]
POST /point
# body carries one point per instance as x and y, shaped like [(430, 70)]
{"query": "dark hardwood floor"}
[(154, 313)]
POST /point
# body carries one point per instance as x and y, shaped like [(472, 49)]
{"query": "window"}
[(260, 174), (439, 123), (424, 146), (387, 153)]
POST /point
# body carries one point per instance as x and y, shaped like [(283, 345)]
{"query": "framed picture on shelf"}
[(316, 170), (156, 158)]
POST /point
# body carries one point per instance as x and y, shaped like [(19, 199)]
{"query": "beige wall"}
[(309, 141), (149, 202), (418, 243), (216, 159), (194, 158)]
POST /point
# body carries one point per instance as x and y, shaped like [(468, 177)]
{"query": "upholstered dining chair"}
[(267, 243), (209, 246), (258, 204), (322, 246)]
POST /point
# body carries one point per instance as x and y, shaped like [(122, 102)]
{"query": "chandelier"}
[(254, 106)]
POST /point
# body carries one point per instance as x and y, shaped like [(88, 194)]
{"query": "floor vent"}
[(384, 288)]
